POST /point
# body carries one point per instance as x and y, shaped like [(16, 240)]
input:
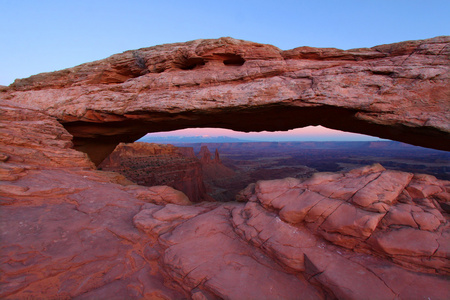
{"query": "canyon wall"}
[(155, 164), (152, 164)]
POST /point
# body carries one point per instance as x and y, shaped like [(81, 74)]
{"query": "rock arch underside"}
[(68, 230)]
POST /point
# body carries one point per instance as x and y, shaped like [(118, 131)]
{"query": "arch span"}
[(399, 91)]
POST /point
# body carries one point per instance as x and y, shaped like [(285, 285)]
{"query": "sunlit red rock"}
[(68, 230), (397, 91)]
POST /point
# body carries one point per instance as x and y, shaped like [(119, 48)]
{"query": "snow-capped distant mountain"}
[(190, 139)]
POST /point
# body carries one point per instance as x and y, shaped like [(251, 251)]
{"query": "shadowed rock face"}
[(399, 91), (152, 164)]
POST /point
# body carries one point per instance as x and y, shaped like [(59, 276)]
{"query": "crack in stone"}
[(376, 275)]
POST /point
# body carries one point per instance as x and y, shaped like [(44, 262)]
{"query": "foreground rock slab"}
[(296, 239)]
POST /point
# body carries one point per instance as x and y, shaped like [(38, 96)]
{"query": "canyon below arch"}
[(69, 230)]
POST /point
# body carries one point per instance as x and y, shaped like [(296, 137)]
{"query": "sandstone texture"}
[(68, 230), (154, 165), (398, 91)]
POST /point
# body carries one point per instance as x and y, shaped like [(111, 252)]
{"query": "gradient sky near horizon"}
[(309, 133), (48, 35)]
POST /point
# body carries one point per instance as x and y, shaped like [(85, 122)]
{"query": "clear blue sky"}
[(46, 35)]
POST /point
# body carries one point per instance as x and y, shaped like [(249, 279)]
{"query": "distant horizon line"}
[(239, 140)]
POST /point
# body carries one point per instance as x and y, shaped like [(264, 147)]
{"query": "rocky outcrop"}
[(397, 91), (65, 228), (154, 164), (218, 177), (318, 238), (205, 155), (68, 230)]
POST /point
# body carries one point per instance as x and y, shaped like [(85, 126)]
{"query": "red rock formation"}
[(205, 155), (68, 230), (65, 228), (154, 164), (217, 157), (314, 238), (216, 175), (213, 168), (71, 232), (398, 91)]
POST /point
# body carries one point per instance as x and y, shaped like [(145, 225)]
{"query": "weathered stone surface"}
[(68, 230), (205, 249), (154, 165), (205, 253), (326, 204), (399, 91), (30, 137)]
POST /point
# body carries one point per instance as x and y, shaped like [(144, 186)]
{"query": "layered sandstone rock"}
[(398, 91), (311, 239), (154, 165), (213, 169), (218, 177), (74, 232), (65, 228), (68, 230)]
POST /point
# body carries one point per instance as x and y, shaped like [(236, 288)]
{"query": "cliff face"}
[(398, 91), (218, 177), (154, 164), (178, 167), (213, 167), (68, 230)]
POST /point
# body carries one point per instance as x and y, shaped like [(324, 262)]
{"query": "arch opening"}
[(99, 138), (213, 164)]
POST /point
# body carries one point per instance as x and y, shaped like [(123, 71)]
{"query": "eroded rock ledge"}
[(361, 234), (399, 91), (70, 231)]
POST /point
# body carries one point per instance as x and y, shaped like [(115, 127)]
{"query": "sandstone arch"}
[(71, 231), (399, 91)]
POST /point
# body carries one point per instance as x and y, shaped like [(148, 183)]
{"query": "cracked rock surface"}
[(70, 231)]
